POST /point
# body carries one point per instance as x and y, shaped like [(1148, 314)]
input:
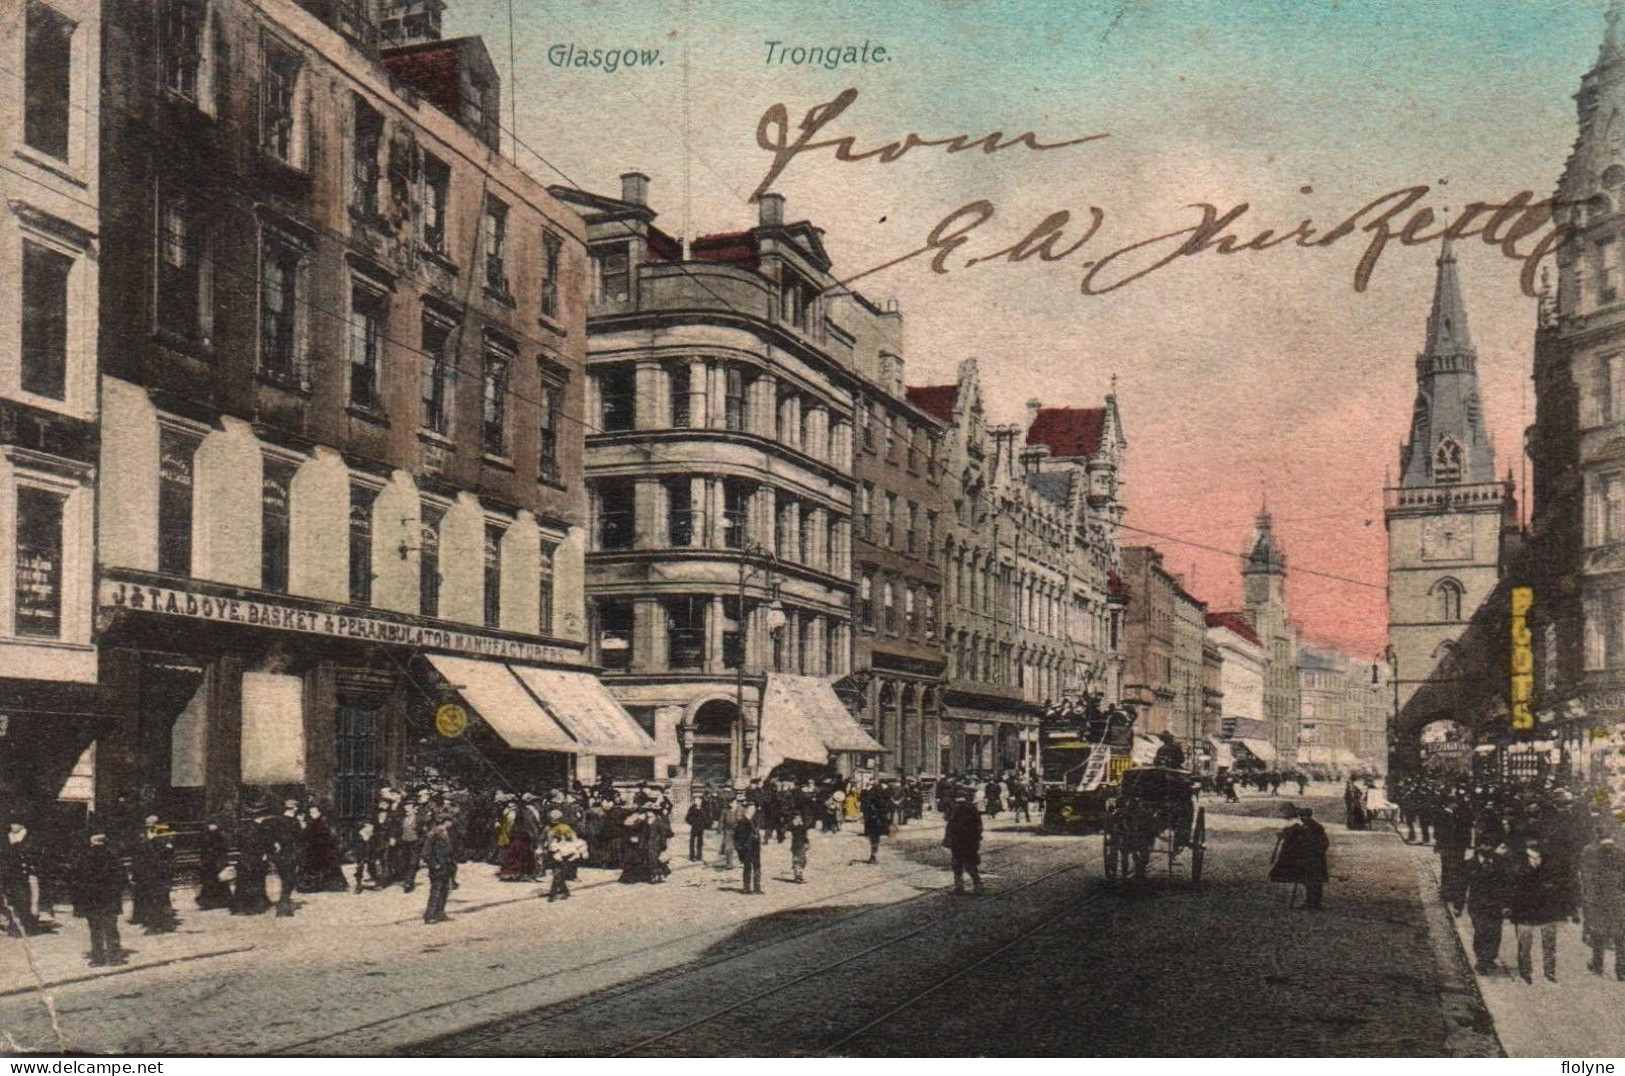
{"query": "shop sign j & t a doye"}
[(256, 612)]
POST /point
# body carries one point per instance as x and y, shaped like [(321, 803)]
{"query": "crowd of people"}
[(1530, 852)]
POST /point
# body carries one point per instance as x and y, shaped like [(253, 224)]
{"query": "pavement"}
[(861, 960), (1577, 1016)]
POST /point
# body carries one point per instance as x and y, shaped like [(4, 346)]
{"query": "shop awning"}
[(580, 702), (1223, 757), (1262, 750), (495, 693), (1344, 757), (1314, 755), (803, 720), (1144, 751)]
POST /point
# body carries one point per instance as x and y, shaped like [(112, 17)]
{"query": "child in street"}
[(798, 845)]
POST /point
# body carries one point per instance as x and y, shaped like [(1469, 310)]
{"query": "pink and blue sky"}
[(1236, 376)]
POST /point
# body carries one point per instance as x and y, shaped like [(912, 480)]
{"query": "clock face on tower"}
[(1447, 538)]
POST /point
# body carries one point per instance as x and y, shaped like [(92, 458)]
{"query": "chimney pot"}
[(635, 188), (772, 210)]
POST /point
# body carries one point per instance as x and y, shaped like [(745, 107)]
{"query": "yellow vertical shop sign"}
[(1523, 660)]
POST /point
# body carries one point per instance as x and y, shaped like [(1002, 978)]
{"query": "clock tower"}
[(1446, 515)]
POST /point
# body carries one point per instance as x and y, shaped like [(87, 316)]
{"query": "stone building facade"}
[(50, 247), (1164, 633), (720, 464), (342, 379), (900, 517), (1264, 605)]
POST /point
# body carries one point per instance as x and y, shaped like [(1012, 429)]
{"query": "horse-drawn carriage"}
[(1154, 813)]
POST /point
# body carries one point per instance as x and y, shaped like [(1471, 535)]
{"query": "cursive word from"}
[(773, 135), (1394, 216), (829, 57), (606, 60)]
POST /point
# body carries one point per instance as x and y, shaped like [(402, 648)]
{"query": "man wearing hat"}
[(962, 835), (440, 858), (151, 875), (98, 897), (1170, 754), (287, 832), (1487, 898), (248, 895), (17, 868), (414, 819)]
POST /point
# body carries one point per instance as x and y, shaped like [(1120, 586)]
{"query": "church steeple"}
[(1266, 557), (1449, 444)]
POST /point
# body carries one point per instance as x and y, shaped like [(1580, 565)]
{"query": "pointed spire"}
[(1447, 324), (1266, 555)]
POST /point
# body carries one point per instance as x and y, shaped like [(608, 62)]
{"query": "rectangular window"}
[(930, 455), (913, 455), (176, 455), (807, 532), (276, 500), (890, 436), (552, 248), (496, 246), (279, 104), (612, 271), (616, 515), (1607, 270), (931, 536), (891, 520), (682, 412), (866, 600), (494, 400), (888, 601), (183, 297), (494, 533), (911, 621), (685, 631), (361, 501), (38, 609), (367, 141), (617, 395), (544, 590), (734, 410), (911, 536), (733, 634), (429, 559), (785, 514), (438, 367), (680, 511), (281, 358), (735, 508), (183, 47), (615, 621), (550, 412), (866, 422), (47, 80), (367, 309), (866, 510), (45, 321), (436, 197), (930, 625)]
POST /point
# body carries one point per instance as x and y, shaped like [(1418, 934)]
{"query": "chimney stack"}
[(772, 210), (1032, 411), (635, 188)]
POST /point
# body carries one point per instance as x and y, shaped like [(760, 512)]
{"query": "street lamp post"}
[(775, 623)]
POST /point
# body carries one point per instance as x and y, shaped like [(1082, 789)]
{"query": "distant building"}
[(1164, 632), (1264, 605)]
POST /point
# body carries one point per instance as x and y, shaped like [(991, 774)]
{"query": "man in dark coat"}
[(1541, 898), (248, 896), (1169, 754), (287, 854), (152, 871), (1487, 897), (213, 857), (98, 897), (17, 866), (1300, 857), (439, 857), (697, 820), (748, 843), (963, 838), (875, 803), (1452, 836), (1602, 900)]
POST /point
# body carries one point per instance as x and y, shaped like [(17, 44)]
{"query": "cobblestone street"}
[(861, 960)]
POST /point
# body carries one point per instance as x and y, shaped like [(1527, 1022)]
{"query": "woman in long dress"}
[(323, 870), (213, 858), (519, 858)]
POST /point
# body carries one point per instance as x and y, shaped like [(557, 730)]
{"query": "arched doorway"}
[(886, 719), (907, 735), (714, 743)]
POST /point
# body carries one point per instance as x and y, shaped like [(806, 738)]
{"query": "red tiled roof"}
[(431, 70), (664, 248), (935, 400), (1068, 431), (1234, 622), (736, 248)]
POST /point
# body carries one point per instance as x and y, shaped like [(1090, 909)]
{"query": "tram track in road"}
[(479, 1039), (643, 1045), (502, 1027)]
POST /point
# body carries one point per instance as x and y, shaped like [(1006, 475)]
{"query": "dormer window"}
[(1447, 463)]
